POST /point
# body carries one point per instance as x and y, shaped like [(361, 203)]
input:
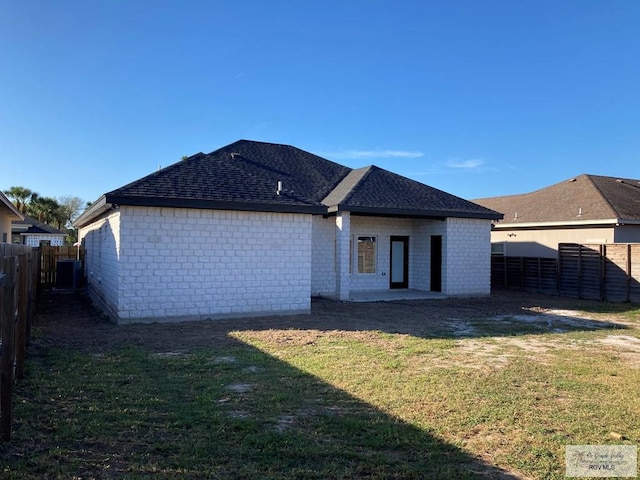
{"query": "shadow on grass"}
[(142, 404)]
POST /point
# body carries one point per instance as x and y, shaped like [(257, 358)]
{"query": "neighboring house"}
[(584, 209), (8, 213), (257, 228), (33, 233)]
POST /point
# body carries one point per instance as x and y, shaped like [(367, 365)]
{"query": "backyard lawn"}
[(458, 388)]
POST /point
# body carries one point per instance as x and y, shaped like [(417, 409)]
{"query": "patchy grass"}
[(480, 397)]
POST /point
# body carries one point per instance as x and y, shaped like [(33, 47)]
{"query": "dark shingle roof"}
[(374, 190), (585, 198), (244, 173), (31, 225), (244, 176)]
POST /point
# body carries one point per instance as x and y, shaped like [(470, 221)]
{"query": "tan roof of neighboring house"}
[(584, 199)]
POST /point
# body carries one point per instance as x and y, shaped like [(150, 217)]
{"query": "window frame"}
[(366, 259)]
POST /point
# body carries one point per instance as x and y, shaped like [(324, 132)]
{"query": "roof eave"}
[(213, 204), (571, 223), (14, 213), (414, 213), (96, 209)]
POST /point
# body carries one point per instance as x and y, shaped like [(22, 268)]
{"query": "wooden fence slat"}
[(21, 320), (18, 290), (8, 312)]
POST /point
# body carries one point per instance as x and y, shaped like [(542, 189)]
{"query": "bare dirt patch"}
[(72, 321)]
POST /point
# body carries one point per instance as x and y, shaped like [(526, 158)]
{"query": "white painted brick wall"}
[(420, 259), (467, 257), (34, 240), (465, 249), (102, 268), (200, 263), (323, 251), (148, 262), (382, 228)]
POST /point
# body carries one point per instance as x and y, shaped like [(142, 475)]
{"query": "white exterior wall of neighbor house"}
[(5, 226), (184, 264), (544, 242), (466, 257), (35, 240), (102, 267)]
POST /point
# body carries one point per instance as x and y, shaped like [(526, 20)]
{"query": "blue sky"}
[(478, 98)]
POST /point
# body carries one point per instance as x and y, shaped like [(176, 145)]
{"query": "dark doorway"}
[(436, 263), (399, 267)]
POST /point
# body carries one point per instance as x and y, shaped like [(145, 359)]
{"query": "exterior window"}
[(366, 254), (497, 248)]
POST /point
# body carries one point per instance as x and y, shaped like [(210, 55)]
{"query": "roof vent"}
[(572, 180), (515, 216), (619, 180), (279, 188), (233, 155), (579, 211)]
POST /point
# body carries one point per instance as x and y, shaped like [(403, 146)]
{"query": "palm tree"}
[(20, 197), (45, 209)]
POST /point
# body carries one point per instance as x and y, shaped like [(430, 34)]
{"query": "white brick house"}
[(258, 229)]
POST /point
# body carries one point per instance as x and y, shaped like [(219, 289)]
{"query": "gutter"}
[(414, 213), (572, 223), (107, 202)]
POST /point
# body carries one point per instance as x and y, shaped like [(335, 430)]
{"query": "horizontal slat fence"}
[(19, 277), (580, 270), (530, 274), (605, 272)]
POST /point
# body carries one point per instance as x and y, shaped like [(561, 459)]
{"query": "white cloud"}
[(359, 154), (470, 164)]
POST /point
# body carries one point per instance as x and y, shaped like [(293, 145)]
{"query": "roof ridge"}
[(366, 171), (348, 183), (601, 194)]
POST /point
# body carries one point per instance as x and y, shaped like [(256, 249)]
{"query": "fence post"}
[(603, 272), (7, 323), (628, 272)]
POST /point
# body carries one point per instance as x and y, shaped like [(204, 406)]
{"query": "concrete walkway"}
[(391, 295)]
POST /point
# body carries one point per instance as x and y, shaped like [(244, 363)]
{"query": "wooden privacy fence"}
[(50, 256), (530, 274), (609, 272), (18, 286), (605, 272)]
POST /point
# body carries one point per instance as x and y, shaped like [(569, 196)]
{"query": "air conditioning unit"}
[(68, 274)]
